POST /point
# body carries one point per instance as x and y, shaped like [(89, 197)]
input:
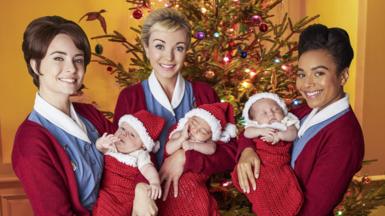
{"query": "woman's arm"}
[(143, 204), (222, 160), (171, 171), (43, 176), (333, 170)]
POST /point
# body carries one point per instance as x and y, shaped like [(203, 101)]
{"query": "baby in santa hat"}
[(272, 128), (201, 129), (127, 157)]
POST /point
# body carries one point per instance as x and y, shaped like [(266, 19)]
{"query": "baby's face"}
[(199, 129), (129, 139), (266, 111)]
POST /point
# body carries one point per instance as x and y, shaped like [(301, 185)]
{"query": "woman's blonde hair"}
[(164, 19)]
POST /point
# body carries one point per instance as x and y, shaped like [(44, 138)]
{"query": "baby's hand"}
[(266, 131), (271, 137), (187, 145), (185, 131), (253, 132), (155, 191), (106, 142)]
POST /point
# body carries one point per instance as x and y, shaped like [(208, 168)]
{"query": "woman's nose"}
[(309, 81), (70, 66), (169, 55)]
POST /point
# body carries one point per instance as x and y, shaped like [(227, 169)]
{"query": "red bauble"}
[(109, 68), (137, 14), (232, 44), (263, 27)]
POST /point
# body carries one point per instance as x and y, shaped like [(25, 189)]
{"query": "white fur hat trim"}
[(258, 96)]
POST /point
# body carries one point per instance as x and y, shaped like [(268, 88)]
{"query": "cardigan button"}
[(87, 147)]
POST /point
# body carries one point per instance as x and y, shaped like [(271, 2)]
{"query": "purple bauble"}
[(200, 35), (256, 19)]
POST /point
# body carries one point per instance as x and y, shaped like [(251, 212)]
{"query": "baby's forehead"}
[(198, 118), (265, 102), (126, 126)]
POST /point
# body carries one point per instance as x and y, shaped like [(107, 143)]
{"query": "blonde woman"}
[(166, 37)]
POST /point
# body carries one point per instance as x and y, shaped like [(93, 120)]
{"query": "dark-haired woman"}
[(330, 146), (54, 153)]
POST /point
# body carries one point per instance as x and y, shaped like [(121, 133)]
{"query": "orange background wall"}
[(372, 82)]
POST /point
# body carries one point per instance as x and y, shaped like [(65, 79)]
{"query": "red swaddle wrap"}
[(277, 192), (117, 189)]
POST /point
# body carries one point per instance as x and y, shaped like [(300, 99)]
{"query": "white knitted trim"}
[(259, 96), (140, 129), (124, 158)]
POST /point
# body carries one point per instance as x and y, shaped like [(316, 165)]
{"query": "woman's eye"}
[(300, 75), (180, 49), (159, 46), (58, 58), (79, 61), (319, 73)]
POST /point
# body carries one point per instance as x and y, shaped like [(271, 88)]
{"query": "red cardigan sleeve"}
[(42, 175), (222, 160), (131, 99)]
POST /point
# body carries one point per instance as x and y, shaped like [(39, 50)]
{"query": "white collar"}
[(159, 94), (316, 116), (71, 124)]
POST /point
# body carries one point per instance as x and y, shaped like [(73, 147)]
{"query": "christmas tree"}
[(239, 50), (236, 48), (363, 195)]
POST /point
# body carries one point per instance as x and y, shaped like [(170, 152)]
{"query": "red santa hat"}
[(147, 125), (220, 118)]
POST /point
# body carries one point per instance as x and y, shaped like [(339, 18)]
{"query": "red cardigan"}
[(132, 99), (44, 168), (327, 163)]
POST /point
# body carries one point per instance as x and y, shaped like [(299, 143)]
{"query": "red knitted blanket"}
[(117, 188), (193, 198), (277, 192)]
